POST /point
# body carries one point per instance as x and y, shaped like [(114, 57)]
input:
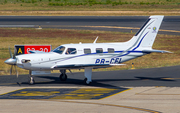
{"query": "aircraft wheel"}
[(31, 82), (86, 82), (63, 77)]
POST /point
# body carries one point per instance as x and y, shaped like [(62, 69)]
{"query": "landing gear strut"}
[(31, 81), (88, 75), (63, 76)]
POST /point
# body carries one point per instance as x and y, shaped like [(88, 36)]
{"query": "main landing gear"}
[(87, 74), (63, 76)]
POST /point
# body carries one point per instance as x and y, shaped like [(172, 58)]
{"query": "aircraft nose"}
[(10, 61)]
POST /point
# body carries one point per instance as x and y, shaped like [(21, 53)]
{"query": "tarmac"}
[(155, 90), (170, 24), (131, 100)]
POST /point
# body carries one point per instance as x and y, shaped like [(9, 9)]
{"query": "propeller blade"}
[(16, 72), (10, 53), (14, 53), (11, 69)]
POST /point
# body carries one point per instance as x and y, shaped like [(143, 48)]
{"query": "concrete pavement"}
[(134, 100)]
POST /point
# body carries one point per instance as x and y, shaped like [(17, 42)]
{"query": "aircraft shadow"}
[(113, 83), (54, 81), (155, 78)]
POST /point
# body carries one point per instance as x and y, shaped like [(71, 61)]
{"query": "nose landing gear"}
[(31, 81)]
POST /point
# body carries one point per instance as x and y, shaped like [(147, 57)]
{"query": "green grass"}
[(115, 7), (56, 37), (90, 5)]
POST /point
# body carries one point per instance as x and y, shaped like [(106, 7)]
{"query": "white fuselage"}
[(99, 54)]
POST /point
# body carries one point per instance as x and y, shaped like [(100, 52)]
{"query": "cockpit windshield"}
[(59, 49)]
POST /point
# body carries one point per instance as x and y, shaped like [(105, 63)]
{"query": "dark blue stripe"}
[(140, 42), (128, 52)]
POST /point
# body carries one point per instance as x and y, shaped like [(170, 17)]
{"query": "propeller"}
[(12, 61)]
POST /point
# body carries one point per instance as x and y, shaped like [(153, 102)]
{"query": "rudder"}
[(147, 33)]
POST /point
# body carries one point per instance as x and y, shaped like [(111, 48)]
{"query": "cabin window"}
[(59, 49), (87, 51), (71, 51), (110, 50), (99, 50)]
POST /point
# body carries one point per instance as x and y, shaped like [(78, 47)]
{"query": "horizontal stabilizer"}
[(155, 51), (117, 64)]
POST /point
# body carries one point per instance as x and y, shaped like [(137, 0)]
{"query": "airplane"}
[(90, 56)]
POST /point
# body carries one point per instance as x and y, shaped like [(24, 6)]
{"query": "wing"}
[(155, 51), (81, 66)]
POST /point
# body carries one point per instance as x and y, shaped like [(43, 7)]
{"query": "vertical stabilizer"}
[(147, 33)]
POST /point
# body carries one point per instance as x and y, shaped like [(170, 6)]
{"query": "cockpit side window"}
[(59, 49), (71, 51)]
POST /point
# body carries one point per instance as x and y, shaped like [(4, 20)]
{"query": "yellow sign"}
[(19, 51)]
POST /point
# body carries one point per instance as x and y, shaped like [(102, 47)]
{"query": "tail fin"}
[(147, 33)]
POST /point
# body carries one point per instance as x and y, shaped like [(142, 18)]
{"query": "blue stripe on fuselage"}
[(140, 42), (128, 52)]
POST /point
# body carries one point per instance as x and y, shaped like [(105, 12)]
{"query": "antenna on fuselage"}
[(95, 40)]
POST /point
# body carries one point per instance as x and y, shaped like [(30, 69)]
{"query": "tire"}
[(85, 82), (63, 77)]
